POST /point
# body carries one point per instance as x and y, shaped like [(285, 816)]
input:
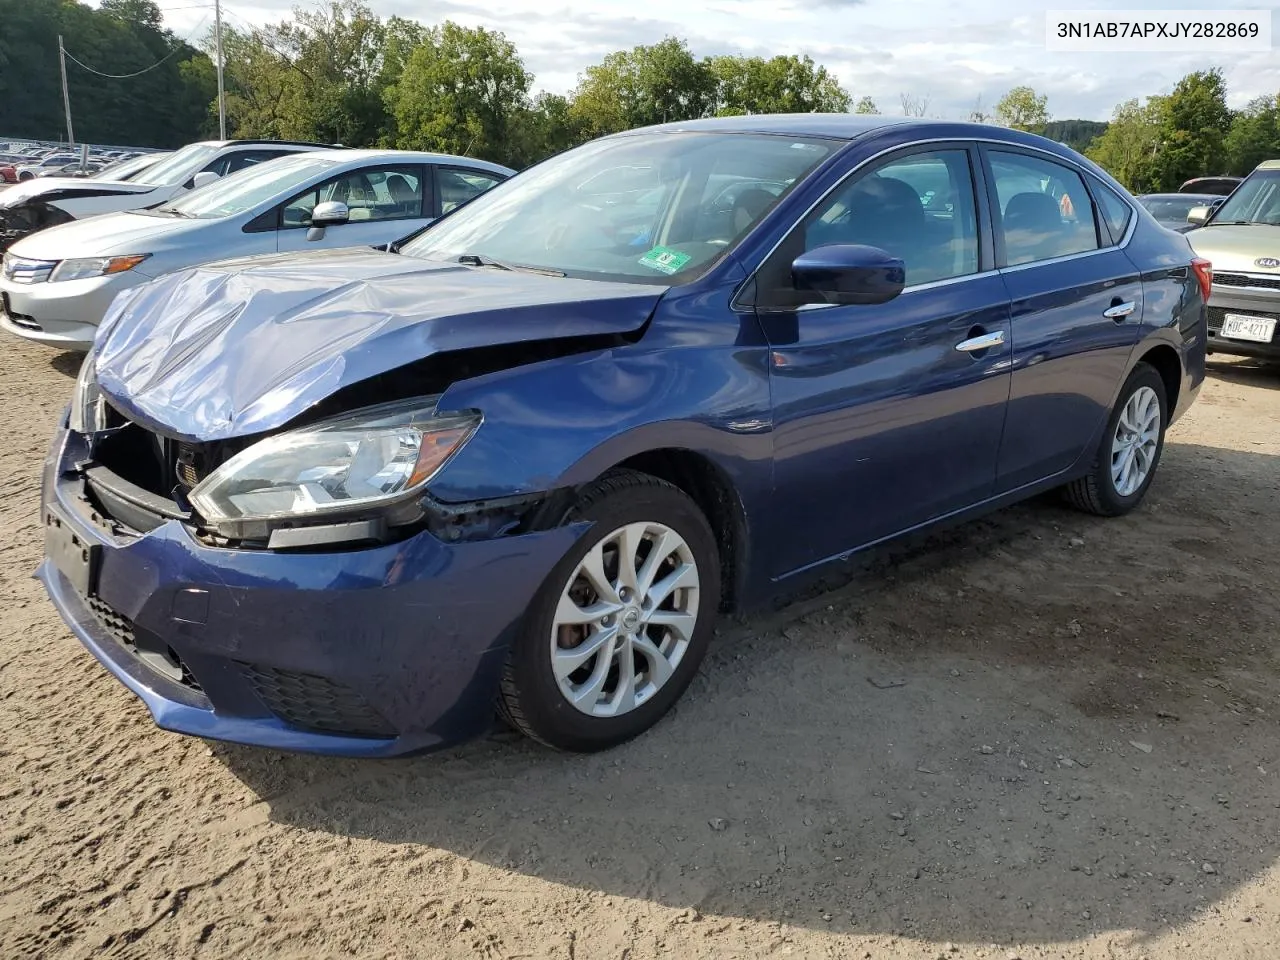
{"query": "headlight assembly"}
[(88, 408), (360, 462), (83, 269)]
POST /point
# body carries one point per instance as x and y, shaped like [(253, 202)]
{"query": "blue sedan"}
[(351, 501)]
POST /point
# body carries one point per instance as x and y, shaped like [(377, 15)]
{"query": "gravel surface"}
[(1039, 735)]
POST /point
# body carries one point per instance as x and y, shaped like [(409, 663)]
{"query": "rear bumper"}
[(373, 652)]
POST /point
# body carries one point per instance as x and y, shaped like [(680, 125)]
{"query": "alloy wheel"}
[(1133, 447), (625, 619)]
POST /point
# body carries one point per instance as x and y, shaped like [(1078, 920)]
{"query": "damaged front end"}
[(27, 217), (350, 472), (294, 403)]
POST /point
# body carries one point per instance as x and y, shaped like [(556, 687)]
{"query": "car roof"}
[(1180, 196), (343, 155), (851, 126), (1269, 165), (838, 126), (223, 144)]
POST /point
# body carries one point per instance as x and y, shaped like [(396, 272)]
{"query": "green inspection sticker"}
[(665, 260)]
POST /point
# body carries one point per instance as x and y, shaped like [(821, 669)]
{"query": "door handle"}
[(1120, 310), (984, 342)]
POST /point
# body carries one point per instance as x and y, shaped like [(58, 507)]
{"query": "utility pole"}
[(222, 96), (66, 97)]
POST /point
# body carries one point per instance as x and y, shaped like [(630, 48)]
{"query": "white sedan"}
[(56, 284)]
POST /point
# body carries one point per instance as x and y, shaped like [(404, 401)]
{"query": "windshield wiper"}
[(173, 213), (481, 260), (1234, 223)]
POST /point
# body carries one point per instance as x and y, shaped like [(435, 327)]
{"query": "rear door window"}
[(1044, 210)]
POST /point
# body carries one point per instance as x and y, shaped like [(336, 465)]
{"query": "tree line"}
[(164, 106), (341, 74)]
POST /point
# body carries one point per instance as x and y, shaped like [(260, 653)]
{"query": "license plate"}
[(1236, 326), (75, 557)]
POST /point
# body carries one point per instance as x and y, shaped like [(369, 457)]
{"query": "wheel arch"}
[(710, 486), (1164, 358)]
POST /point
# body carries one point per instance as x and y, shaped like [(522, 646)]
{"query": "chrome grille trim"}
[(23, 270)]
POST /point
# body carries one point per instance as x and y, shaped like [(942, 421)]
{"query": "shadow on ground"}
[(67, 363), (1245, 371), (1032, 728)]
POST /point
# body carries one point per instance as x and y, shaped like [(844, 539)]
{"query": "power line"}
[(127, 76)]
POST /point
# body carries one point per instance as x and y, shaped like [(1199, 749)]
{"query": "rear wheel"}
[(618, 629), (1129, 451)]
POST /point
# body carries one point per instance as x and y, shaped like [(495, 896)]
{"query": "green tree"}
[(1193, 130), (547, 127), (262, 88), (1077, 134), (1254, 136), (144, 13), (782, 84), (866, 105), (644, 85), (1130, 146), (153, 100), (465, 91), (1023, 109)]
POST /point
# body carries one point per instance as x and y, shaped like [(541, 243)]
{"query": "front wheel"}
[(618, 629), (1129, 450)]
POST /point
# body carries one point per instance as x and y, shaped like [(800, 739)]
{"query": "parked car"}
[(52, 161), (45, 203), (9, 167), (1242, 238), (77, 169), (344, 501), (1171, 209), (1218, 186), (57, 284)]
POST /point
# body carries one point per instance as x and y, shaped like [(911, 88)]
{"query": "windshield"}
[(125, 169), (656, 207), (246, 189), (1175, 208), (180, 166), (1257, 200)]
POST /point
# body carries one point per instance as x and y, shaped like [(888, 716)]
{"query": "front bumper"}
[(64, 314), (403, 642), (1241, 297)]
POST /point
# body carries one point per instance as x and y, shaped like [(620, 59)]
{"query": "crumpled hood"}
[(43, 187), (1236, 247), (243, 346)]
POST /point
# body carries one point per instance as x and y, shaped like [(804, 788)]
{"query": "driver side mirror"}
[(848, 273), (1199, 216), (331, 213), (202, 179)]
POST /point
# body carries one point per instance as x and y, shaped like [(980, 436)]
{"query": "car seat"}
[(1033, 228)]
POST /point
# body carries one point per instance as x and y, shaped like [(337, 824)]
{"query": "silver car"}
[(55, 285)]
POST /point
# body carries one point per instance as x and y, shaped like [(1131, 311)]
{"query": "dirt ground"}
[(1040, 735)]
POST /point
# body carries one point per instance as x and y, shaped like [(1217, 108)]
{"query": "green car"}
[(1241, 238)]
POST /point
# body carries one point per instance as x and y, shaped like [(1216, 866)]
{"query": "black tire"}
[(529, 696), (1096, 491)]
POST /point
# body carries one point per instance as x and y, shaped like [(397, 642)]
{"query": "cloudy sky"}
[(949, 51)]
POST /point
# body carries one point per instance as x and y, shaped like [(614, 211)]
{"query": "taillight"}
[(1204, 273)]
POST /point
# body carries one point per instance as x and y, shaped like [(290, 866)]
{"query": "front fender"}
[(564, 422)]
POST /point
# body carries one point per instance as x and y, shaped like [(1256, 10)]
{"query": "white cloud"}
[(952, 51)]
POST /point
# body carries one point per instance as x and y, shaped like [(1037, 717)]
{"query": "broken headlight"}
[(358, 462), (88, 409)]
